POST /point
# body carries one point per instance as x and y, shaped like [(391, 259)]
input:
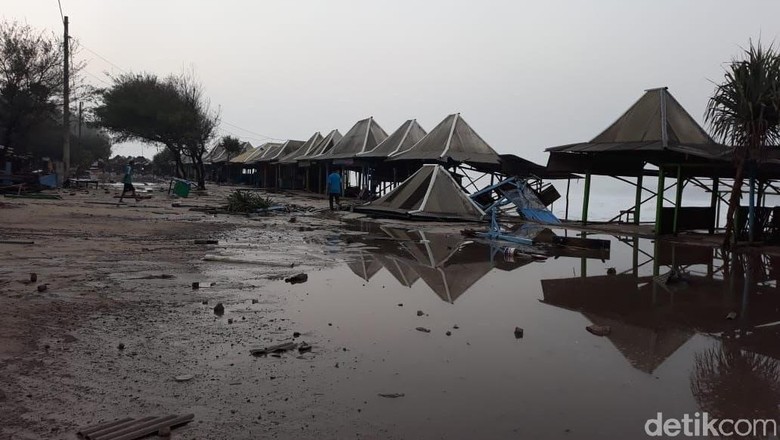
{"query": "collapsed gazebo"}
[(431, 193)]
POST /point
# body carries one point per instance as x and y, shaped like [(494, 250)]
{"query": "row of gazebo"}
[(654, 138), (369, 158)]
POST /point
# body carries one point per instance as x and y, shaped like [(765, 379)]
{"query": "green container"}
[(181, 189)]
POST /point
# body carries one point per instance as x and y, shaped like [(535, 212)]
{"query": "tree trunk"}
[(200, 171), (736, 195)]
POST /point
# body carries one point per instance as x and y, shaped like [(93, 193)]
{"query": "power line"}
[(96, 77), (101, 57), (262, 137), (61, 14), (253, 132)]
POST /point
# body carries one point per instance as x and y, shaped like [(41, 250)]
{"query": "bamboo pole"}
[(638, 200), (659, 204), (678, 198), (586, 199)]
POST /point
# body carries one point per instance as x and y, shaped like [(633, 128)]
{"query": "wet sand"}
[(124, 275)]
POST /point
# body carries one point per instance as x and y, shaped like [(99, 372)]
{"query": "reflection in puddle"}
[(691, 331)]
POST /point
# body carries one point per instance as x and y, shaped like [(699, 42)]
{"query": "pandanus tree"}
[(744, 112)]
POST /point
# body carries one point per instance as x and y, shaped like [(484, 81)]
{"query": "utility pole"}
[(66, 101), (81, 118)]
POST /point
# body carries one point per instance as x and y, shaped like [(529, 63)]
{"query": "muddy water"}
[(671, 348)]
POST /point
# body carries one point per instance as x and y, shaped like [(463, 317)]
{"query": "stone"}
[(599, 330), (420, 313), (42, 287), (423, 329), (297, 279), (296, 334), (518, 333), (121, 346), (449, 333), (219, 309)]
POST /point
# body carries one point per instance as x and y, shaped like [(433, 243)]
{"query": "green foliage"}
[(172, 112), (163, 163), (247, 201), (745, 109), (31, 85), (745, 112), (230, 144)]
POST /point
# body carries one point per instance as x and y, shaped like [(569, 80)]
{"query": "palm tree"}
[(745, 112), (729, 382)]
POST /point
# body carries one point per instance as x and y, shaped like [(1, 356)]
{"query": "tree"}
[(231, 146), (31, 83), (172, 113), (163, 163), (745, 112), (143, 108), (199, 121)]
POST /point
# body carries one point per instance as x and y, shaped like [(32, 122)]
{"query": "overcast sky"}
[(526, 75)]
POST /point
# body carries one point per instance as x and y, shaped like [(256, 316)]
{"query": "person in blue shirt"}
[(333, 188), (128, 181)]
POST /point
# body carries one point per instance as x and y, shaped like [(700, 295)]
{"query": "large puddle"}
[(706, 341)]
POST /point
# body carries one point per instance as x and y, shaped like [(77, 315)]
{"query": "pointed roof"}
[(324, 146), (293, 156), (430, 192), (402, 139), (655, 122), (218, 154), (402, 271), (364, 265), (268, 149), (365, 135), (452, 140), (247, 151), (655, 117), (282, 150)]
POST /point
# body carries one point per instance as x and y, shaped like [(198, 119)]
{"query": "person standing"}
[(333, 187), (128, 181)]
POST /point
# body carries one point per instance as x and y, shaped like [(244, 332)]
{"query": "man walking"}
[(128, 181), (333, 187)]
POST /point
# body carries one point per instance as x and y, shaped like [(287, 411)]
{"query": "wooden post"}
[(678, 198), (638, 202), (568, 184), (659, 204), (714, 203), (752, 207), (585, 199)]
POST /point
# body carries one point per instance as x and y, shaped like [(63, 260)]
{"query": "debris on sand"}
[(518, 333), (33, 277), (731, 315), (184, 377), (42, 287), (420, 313), (133, 429), (297, 279), (304, 347), (121, 346), (391, 395), (599, 330), (195, 285), (423, 329), (206, 242), (449, 333), (292, 220), (219, 309), (279, 348)]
